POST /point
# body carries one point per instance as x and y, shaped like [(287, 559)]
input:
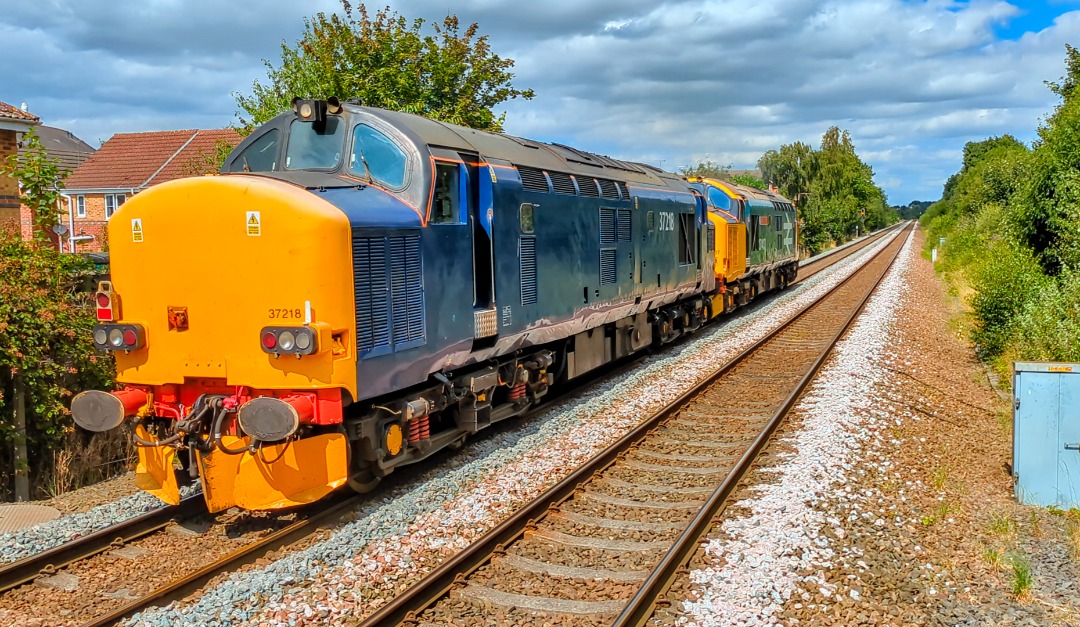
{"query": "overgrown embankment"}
[(1010, 219)]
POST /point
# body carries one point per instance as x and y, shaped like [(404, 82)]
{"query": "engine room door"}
[(481, 214)]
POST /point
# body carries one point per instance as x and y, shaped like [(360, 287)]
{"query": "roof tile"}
[(14, 113), (137, 160)]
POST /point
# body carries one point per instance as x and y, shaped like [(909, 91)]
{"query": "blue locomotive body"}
[(486, 267)]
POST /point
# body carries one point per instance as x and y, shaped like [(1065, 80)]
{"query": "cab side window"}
[(445, 204), (260, 156)]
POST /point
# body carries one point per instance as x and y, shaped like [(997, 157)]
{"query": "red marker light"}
[(269, 340), (130, 339), (103, 300)]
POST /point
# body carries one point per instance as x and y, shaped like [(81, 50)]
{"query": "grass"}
[(1021, 579), (1001, 524), (995, 557), (939, 477), (1072, 532)]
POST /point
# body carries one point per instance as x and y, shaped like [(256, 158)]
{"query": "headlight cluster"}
[(289, 340), (119, 337)]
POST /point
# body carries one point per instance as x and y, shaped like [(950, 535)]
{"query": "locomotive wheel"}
[(363, 481)]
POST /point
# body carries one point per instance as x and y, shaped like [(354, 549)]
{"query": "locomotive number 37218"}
[(281, 314)]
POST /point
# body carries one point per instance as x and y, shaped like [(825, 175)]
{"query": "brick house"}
[(14, 122), (128, 163)]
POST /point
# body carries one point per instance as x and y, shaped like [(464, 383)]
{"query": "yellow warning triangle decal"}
[(254, 219)]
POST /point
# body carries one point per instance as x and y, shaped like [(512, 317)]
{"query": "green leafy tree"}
[(39, 180), (46, 324), (706, 169), (791, 168), (1052, 224), (749, 180), (390, 62)]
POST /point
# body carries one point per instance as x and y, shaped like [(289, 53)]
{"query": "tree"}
[(791, 168), (39, 179), (47, 353), (749, 180), (706, 169), (391, 63), (1051, 226)]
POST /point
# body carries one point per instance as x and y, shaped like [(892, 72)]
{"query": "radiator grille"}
[(562, 183), (607, 226), (528, 270), (609, 189), (608, 274), (533, 179), (624, 190), (388, 281), (587, 187)]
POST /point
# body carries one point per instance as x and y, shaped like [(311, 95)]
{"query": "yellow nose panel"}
[(155, 471), (234, 254), (301, 472)]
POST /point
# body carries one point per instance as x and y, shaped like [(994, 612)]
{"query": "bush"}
[(1005, 281), (1049, 326), (46, 326)]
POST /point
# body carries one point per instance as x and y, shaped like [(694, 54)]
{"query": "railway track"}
[(600, 547), (89, 608)]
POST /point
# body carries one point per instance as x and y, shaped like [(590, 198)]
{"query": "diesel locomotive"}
[(360, 288)]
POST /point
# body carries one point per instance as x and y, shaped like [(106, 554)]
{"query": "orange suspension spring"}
[(517, 392), (419, 429)]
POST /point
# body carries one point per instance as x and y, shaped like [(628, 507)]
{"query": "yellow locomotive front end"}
[(231, 317)]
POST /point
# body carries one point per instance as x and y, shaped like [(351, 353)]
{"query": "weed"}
[(1033, 522), (1001, 524), (1072, 531), (939, 477), (993, 556), (943, 510), (927, 520), (1022, 579)]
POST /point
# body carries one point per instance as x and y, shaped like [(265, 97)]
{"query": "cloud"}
[(673, 81)]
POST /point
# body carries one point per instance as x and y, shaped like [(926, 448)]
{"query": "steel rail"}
[(643, 604), (406, 606), (836, 255), (48, 562), (184, 586)]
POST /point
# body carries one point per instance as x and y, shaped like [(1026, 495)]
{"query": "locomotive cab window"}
[(376, 155), (526, 217), (445, 203), (718, 199), (260, 156), (312, 148)]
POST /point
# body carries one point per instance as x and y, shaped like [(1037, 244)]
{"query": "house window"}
[(112, 203), (80, 206)]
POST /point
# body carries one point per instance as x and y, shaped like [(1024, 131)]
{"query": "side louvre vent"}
[(608, 188), (562, 183), (528, 270), (587, 187), (608, 274), (388, 279), (607, 226), (624, 190), (624, 223), (533, 179), (372, 293), (406, 289)]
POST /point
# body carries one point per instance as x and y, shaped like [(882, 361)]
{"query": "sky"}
[(668, 82)]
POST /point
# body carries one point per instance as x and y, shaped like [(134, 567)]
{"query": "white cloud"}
[(671, 81)]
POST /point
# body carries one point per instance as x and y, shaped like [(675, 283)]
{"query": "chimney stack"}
[(23, 107)]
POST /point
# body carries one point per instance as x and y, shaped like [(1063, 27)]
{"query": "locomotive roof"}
[(519, 151), (758, 194)]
